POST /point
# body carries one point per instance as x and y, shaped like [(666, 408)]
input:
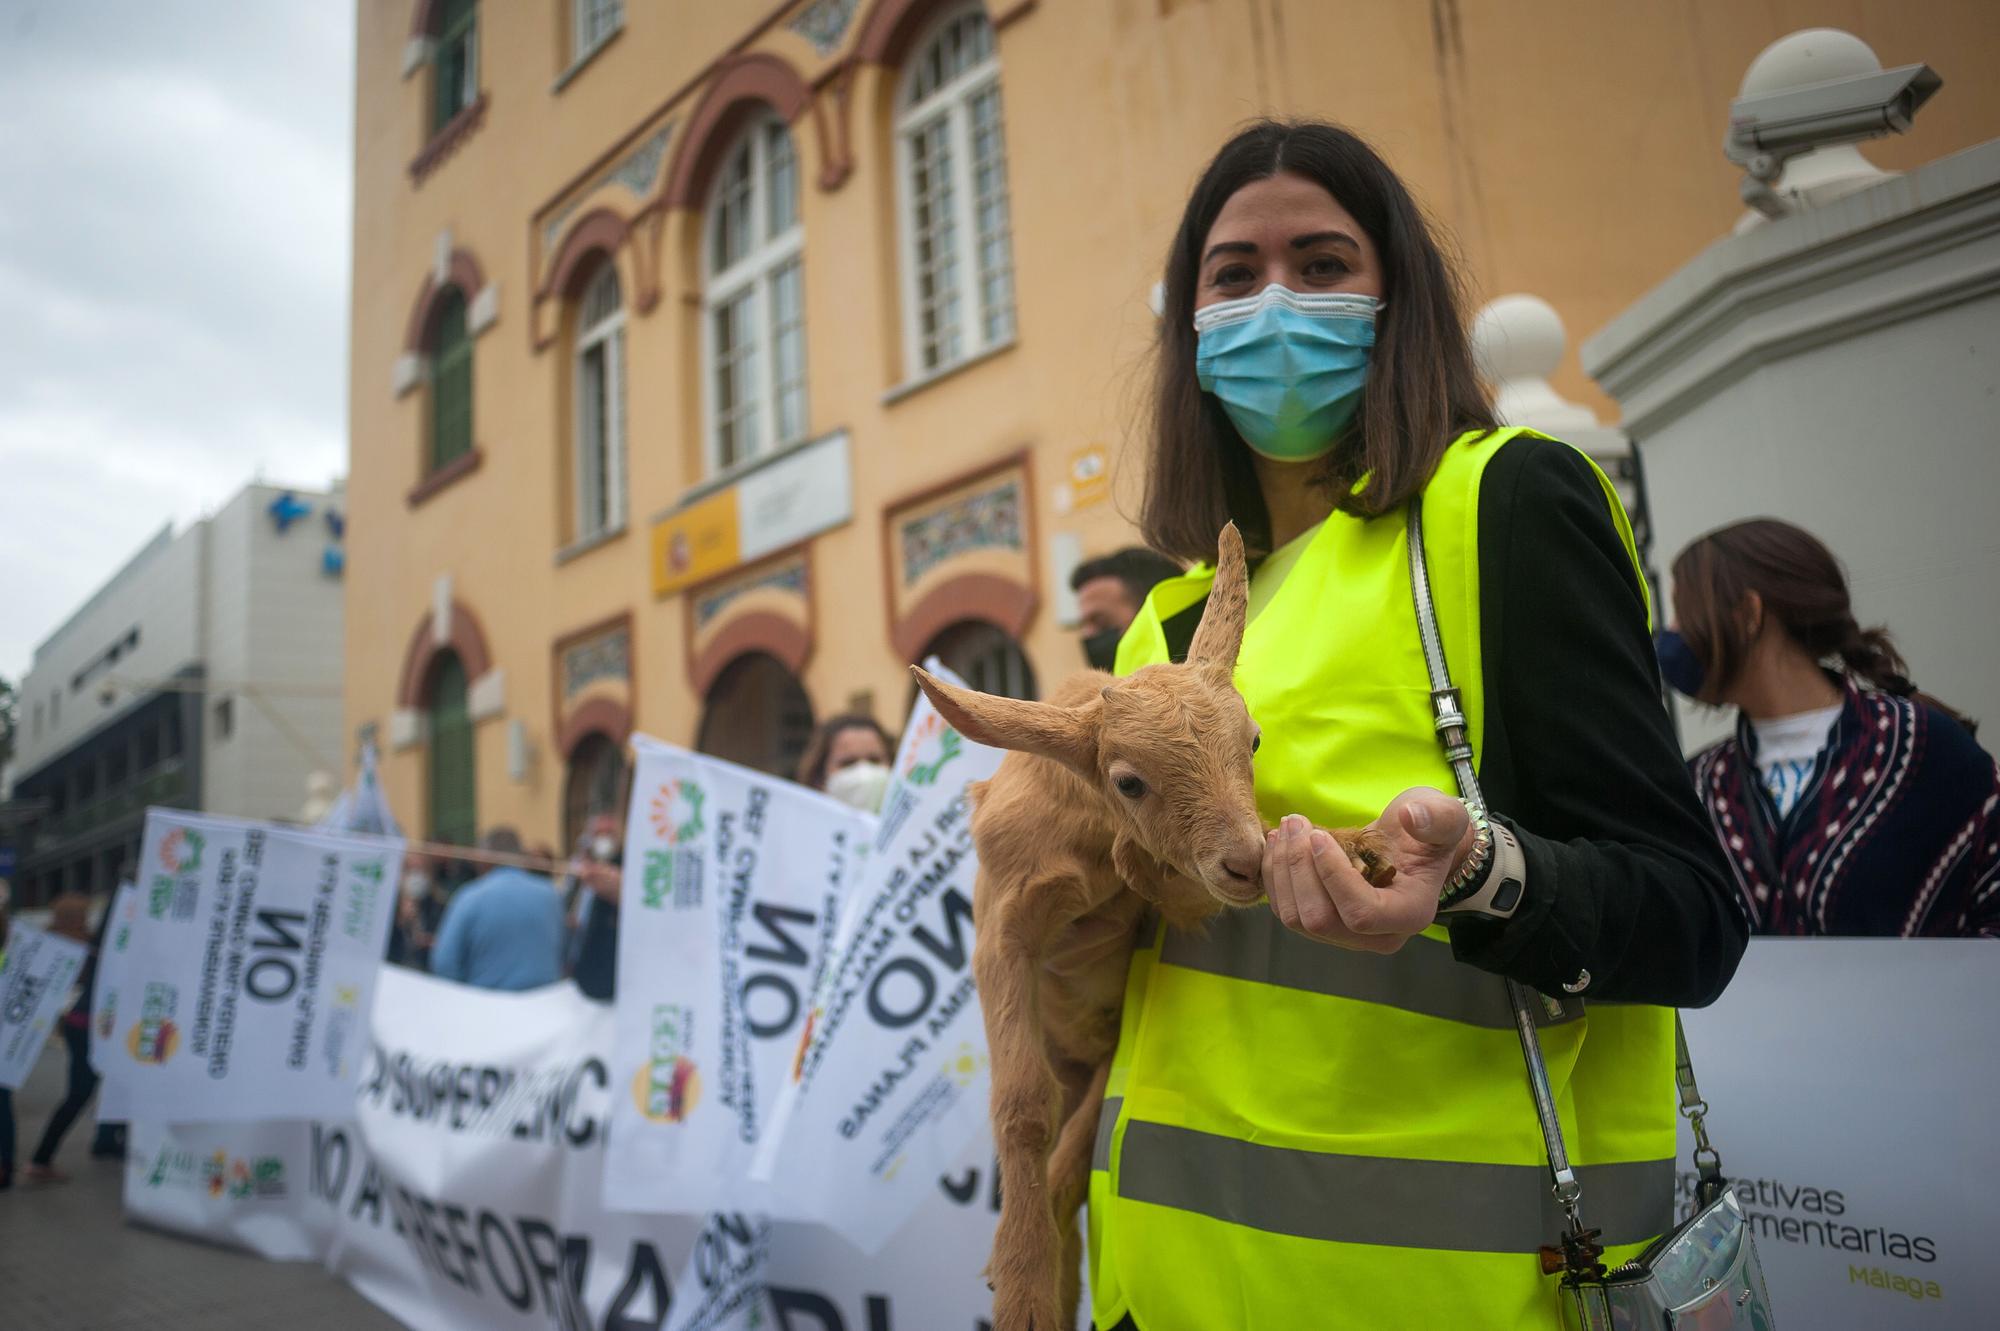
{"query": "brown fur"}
[(1068, 864)]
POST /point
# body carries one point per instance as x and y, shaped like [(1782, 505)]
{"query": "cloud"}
[(173, 276)]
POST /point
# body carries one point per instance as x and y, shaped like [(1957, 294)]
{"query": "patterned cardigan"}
[(1896, 832)]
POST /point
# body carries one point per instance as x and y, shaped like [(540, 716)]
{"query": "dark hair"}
[(1801, 586), (812, 766), (1422, 389), (1138, 568)]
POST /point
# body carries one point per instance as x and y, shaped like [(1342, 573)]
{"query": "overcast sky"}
[(175, 190)]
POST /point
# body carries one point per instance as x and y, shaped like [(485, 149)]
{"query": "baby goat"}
[(1120, 795)]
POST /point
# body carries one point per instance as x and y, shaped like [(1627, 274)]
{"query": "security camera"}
[(1767, 130)]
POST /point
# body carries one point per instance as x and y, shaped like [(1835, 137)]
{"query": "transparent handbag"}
[(1703, 1275)]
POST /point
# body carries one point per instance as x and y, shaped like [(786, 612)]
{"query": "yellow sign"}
[(1089, 477), (696, 543)]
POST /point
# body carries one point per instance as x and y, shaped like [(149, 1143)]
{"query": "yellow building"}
[(712, 361)]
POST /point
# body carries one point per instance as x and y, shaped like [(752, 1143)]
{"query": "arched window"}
[(450, 364), (452, 793), (596, 784), (958, 253), (754, 343), (757, 714), (984, 656), (454, 60), (600, 406)]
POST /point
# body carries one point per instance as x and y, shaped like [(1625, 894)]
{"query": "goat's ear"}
[(1220, 636), (1067, 735)]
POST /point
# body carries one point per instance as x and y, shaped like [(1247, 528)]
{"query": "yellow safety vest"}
[(1300, 1136)]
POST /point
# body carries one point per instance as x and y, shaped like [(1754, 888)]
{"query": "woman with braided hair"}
[(1846, 802)]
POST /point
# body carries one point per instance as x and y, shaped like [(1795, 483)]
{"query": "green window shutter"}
[(451, 381), (454, 816), (454, 68)]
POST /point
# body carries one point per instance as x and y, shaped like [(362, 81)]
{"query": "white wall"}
[(1841, 370), (275, 624), (155, 593)]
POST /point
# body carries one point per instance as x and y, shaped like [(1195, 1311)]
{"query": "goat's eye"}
[(1131, 787), (1256, 741)]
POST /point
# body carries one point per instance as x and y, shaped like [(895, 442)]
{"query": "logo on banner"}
[(180, 850), (362, 889), (156, 1036), (677, 811), (668, 1087), (673, 876), (221, 1175), (928, 759)]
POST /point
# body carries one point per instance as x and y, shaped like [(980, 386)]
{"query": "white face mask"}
[(603, 847), (416, 884), (860, 785)]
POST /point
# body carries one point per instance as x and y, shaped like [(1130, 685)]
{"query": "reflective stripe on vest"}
[(1298, 1135)]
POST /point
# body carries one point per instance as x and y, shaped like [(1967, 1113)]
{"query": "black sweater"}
[(1625, 880)]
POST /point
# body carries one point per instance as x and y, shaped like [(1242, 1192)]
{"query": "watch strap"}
[(1500, 891)]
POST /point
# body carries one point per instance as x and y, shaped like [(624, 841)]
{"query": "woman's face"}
[(856, 744), (1285, 229)]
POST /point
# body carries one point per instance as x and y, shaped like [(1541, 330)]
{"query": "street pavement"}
[(70, 1262)]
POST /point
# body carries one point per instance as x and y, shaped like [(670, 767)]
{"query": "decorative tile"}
[(638, 172), (824, 23), (608, 656), (984, 520), (787, 578)]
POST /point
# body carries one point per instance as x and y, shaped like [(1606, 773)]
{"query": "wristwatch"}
[(1493, 879)]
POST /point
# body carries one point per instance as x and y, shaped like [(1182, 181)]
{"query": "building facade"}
[(712, 362), (205, 674)]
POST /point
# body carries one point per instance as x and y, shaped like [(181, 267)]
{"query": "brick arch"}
[(598, 716), (757, 631), (742, 85), (467, 639), (1002, 602), (600, 232), (464, 273)]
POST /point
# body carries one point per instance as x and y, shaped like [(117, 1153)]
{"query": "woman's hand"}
[(1316, 891)]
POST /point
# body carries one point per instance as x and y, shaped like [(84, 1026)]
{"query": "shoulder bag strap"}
[(1455, 738)]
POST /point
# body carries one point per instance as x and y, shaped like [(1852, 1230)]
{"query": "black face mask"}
[(1101, 649)]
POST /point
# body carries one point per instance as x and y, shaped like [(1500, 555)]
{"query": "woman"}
[(1314, 1135), (1846, 802), (69, 917), (849, 759)]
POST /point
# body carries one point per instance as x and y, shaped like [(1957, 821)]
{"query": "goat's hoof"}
[(1369, 855)]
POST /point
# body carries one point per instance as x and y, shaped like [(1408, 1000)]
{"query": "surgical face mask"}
[(1679, 665), (1101, 649), (603, 847), (860, 785), (416, 884), (1288, 368)]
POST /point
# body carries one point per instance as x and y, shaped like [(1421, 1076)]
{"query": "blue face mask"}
[(1288, 368), (1679, 666)]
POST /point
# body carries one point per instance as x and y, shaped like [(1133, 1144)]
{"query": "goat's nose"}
[(1244, 868)]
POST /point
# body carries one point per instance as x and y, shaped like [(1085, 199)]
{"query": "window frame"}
[(606, 336), (582, 44), (951, 102), (462, 28), (754, 272)]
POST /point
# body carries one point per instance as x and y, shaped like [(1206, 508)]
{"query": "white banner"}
[(37, 970), (241, 1184), (117, 936), (891, 1085), (1850, 1082), (733, 882), (252, 958)]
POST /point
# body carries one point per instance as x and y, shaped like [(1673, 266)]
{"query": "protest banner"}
[(723, 1285), (891, 1078), (1848, 1090), (117, 941), (240, 1184), (363, 807), (734, 880), (37, 970), (246, 982)]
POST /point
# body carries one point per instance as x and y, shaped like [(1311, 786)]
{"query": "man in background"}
[(594, 880), (504, 929), (1109, 591)]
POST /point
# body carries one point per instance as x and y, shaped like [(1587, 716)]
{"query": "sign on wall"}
[(799, 495)]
